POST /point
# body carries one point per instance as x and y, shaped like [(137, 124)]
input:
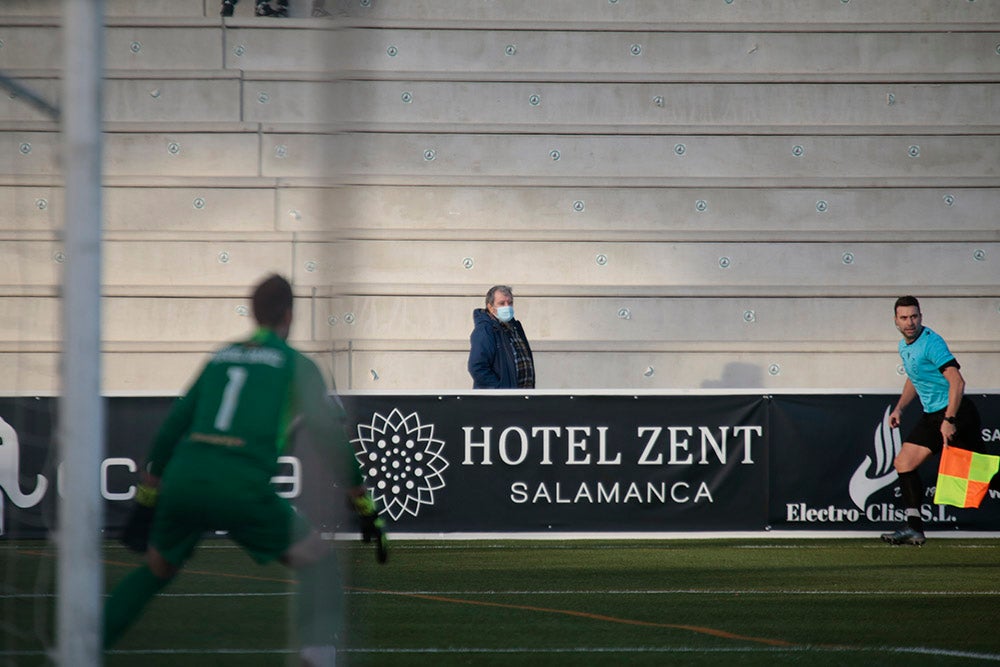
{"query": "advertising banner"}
[(565, 463), (545, 463), (832, 465)]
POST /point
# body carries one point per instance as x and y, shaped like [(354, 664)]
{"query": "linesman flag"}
[(964, 477)]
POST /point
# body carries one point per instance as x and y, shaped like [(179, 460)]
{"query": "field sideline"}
[(843, 601)]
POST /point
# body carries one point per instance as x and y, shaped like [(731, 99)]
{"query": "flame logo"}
[(10, 466), (401, 461), (887, 444)]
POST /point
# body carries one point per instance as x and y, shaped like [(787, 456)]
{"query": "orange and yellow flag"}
[(964, 476)]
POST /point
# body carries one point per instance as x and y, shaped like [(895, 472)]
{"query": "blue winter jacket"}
[(491, 357)]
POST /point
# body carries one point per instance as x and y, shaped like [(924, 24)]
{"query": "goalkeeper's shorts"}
[(255, 517)]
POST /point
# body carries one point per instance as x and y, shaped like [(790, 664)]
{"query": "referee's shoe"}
[(905, 535)]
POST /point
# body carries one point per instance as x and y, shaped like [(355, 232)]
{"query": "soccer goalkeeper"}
[(210, 469)]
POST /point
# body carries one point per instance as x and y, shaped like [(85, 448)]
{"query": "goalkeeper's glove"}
[(135, 535), (372, 525)]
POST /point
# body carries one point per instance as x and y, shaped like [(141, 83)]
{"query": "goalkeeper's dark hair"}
[(272, 299), (906, 301)]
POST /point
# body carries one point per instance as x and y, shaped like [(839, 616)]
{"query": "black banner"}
[(565, 463), (539, 463), (831, 465)]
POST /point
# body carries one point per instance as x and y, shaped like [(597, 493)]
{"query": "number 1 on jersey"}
[(230, 397)]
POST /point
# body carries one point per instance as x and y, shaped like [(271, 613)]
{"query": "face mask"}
[(505, 313)]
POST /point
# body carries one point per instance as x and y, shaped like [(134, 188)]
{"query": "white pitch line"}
[(678, 591), (687, 536), (683, 591), (876, 545), (404, 543), (30, 596), (989, 657), (646, 546)]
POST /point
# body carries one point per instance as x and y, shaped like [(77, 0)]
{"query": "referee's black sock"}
[(913, 491)]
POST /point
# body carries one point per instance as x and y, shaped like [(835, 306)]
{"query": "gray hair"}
[(503, 289)]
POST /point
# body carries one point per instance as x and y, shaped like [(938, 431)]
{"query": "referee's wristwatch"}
[(951, 420)]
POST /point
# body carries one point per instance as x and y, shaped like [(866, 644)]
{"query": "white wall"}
[(683, 194)]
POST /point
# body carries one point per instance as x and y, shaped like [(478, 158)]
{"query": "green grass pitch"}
[(760, 601)]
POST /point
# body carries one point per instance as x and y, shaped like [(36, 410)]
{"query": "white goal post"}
[(81, 410)]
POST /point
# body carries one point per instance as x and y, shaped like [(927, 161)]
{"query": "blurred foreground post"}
[(81, 409)]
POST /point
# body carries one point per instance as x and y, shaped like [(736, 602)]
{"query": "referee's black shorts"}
[(927, 432)]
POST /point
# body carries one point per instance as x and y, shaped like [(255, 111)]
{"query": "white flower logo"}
[(401, 461), (887, 444)]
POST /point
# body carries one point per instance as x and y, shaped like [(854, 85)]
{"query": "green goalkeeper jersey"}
[(239, 410)]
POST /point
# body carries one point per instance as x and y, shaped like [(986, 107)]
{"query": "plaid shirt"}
[(522, 357)]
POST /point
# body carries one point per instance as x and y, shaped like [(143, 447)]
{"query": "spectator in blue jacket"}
[(499, 354)]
